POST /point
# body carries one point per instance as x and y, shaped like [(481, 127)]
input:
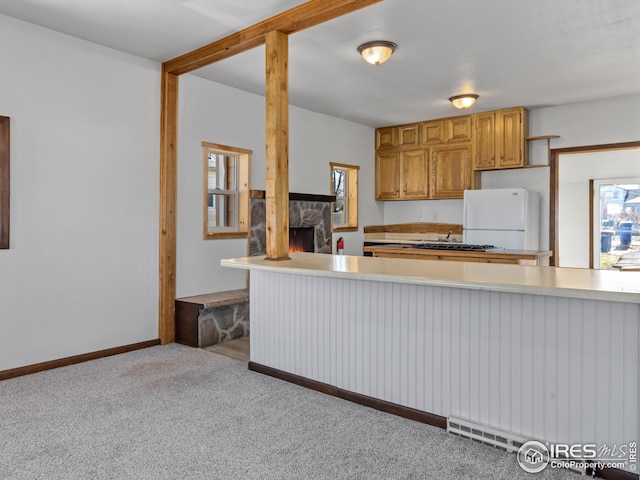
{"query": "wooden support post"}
[(168, 201), (277, 155)]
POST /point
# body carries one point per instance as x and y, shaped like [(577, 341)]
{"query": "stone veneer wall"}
[(224, 323), (304, 211)]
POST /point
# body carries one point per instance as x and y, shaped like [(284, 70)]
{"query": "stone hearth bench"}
[(205, 320)]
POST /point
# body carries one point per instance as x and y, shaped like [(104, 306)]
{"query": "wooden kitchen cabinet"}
[(458, 129), (402, 175), (484, 144), (409, 135), (512, 128), (398, 136), (451, 171), (499, 139), (433, 132), (386, 137), (429, 160), (446, 130), (388, 176), (414, 175)]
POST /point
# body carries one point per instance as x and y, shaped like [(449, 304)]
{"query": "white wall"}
[(604, 121), (433, 211), (318, 139), (211, 112), (575, 171), (216, 113), (82, 271)]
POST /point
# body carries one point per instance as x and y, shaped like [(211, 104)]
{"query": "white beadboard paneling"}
[(589, 372), (562, 330), (552, 368)]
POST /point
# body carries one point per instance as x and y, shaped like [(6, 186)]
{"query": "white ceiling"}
[(510, 52)]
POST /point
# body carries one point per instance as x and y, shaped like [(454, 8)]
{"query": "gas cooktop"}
[(456, 246)]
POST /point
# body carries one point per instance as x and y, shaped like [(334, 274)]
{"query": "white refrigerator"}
[(508, 218)]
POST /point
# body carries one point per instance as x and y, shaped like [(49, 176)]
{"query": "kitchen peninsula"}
[(546, 353)]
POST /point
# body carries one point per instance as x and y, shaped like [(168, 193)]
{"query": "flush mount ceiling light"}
[(377, 52), (464, 101)]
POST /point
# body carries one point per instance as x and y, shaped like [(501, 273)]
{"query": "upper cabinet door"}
[(451, 171), (458, 129), (498, 139), (510, 144), (484, 145), (409, 135), (388, 176), (415, 174), (433, 132), (386, 137)]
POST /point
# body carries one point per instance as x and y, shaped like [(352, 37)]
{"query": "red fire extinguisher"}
[(340, 246)]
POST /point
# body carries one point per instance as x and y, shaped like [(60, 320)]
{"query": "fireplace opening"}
[(301, 239)]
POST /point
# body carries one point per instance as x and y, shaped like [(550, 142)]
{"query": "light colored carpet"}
[(174, 412)]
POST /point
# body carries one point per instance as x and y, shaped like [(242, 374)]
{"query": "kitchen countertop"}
[(560, 282)]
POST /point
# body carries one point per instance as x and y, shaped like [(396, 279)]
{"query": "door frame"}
[(554, 160)]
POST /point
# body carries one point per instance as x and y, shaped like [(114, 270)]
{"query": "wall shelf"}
[(537, 166), (542, 137)]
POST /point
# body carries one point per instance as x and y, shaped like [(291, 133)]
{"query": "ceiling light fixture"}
[(464, 101), (377, 52)]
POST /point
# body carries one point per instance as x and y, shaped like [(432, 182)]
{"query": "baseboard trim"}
[(85, 357), (394, 409), (377, 404)]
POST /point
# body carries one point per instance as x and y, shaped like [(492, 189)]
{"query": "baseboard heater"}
[(488, 435)]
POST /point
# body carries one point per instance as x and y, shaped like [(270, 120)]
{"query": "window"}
[(616, 218), (226, 191), (344, 185)]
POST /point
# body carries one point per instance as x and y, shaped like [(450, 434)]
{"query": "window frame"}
[(230, 195), (351, 196), (242, 200)]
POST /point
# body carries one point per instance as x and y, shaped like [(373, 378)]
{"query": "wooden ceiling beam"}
[(294, 20)]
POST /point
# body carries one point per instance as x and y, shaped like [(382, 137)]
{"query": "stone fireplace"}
[(305, 211), (302, 239)]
